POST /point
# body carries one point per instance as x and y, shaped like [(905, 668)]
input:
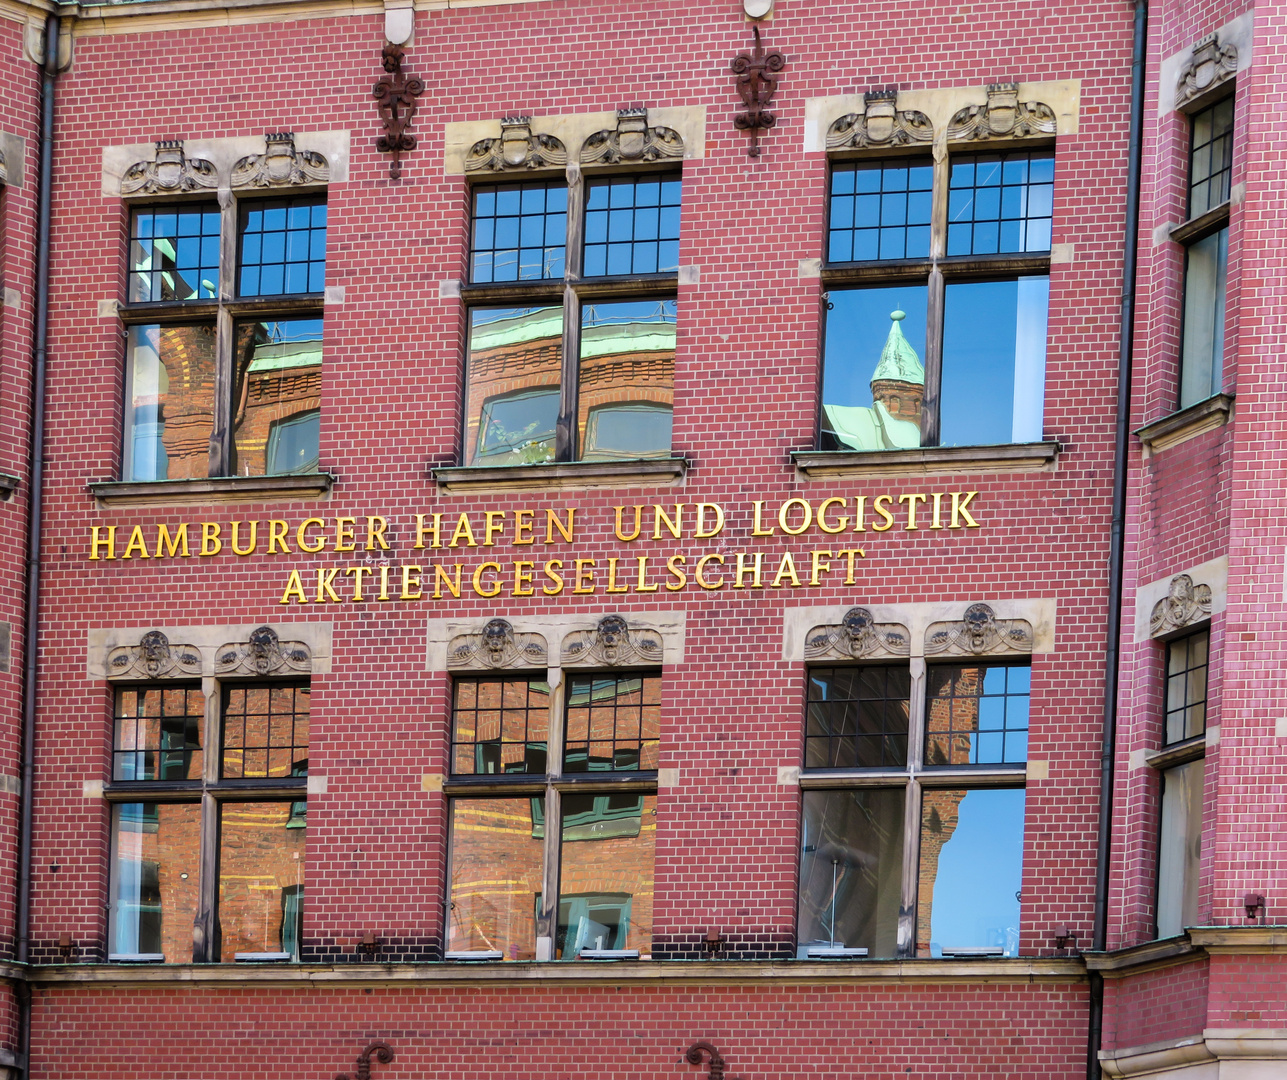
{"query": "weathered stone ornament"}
[(1210, 64), (517, 148), (980, 632), (612, 643), (281, 164), (263, 653), (496, 646), (1003, 117), (1183, 605), (169, 171), (857, 636), (153, 658), (880, 123), (632, 140)]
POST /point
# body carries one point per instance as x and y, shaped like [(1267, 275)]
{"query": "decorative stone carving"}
[(1183, 605), (979, 634), (880, 124), (4, 170), (1003, 117), (857, 637), (1210, 64), (517, 148), (171, 170), (264, 654), (632, 140), (281, 164), (612, 643), (153, 658), (496, 646)]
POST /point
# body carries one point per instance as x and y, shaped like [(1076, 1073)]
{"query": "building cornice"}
[(1151, 954), (1241, 940), (1214, 1044)]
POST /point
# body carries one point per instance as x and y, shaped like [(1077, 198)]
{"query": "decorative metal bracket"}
[(1003, 117), (170, 170), (281, 164), (382, 1052), (517, 148), (1211, 63), (632, 140), (1183, 605), (757, 81), (693, 1055), (880, 123), (395, 96)]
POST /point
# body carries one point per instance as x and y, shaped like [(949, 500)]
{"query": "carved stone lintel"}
[(1183, 605), (979, 633), (632, 140), (497, 646), (858, 636), (170, 171), (1003, 117), (880, 123), (281, 164), (264, 654), (612, 643), (1210, 65), (153, 658), (517, 148)]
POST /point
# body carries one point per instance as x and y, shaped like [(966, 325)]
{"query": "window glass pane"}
[(880, 211), (277, 395), (971, 870), (520, 231), (873, 377), (613, 723), (976, 715), (606, 873), (857, 717), (155, 868), (512, 376), (497, 858), (174, 253), (261, 878), (158, 733), (632, 226), (500, 726), (1186, 687), (1211, 157), (1179, 855), (265, 730), (283, 247), (1202, 352), (626, 382), (1000, 203), (994, 362), (851, 870), (169, 405)]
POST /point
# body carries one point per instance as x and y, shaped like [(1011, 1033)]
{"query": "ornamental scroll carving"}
[(632, 140), (4, 170), (281, 164), (1183, 605), (880, 123), (1210, 65), (517, 148), (170, 170), (1003, 117), (979, 633), (496, 646), (153, 658), (263, 654), (612, 643), (857, 637)]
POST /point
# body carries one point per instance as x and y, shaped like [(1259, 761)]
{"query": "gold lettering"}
[(702, 533), (938, 500), (254, 530), (659, 518), (440, 578), (491, 527), (137, 542), (295, 589), (356, 572), (344, 539), (612, 579), (786, 568), (384, 582), (889, 518), (673, 565), (463, 531), (552, 522), (433, 530), (523, 528), (523, 577), (618, 512), (584, 575), (277, 535), (959, 510), (816, 565), (174, 543), (324, 579), (849, 554), (550, 570), (860, 508), (375, 533), (757, 526), (784, 512), (701, 565), (643, 569), (95, 543), (411, 580), (743, 568), (478, 580), (841, 525), (303, 528), (210, 542), (910, 500)]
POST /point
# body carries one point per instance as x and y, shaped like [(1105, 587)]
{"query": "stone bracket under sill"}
[(561, 475), (1187, 423), (211, 489), (925, 460), (1178, 754)]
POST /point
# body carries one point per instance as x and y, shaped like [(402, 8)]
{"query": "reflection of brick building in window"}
[(261, 874), (509, 356), (187, 404), (952, 717), (166, 846), (940, 811)]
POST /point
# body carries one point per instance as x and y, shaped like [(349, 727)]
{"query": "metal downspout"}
[(1117, 539), (35, 487)]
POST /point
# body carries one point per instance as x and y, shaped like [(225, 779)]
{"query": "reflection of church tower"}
[(898, 382)]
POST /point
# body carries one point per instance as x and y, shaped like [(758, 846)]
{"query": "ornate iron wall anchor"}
[(757, 81), (382, 1052), (396, 99), (693, 1056)]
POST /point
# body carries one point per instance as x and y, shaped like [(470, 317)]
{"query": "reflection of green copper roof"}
[(612, 339), (898, 360), (278, 356)]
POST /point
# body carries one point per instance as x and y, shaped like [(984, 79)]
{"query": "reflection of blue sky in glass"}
[(857, 326), (980, 870)]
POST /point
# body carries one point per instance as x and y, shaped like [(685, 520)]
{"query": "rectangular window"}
[(599, 865), (1186, 687), (951, 349), (583, 368), (197, 404), (896, 767), (261, 881), (265, 730), (156, 867), (1179, 853), (158, 733)]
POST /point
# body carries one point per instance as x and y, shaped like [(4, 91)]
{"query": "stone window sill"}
[(214, 489), (1187, 423), (1178, 754), (561, 475), (925, 461)]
